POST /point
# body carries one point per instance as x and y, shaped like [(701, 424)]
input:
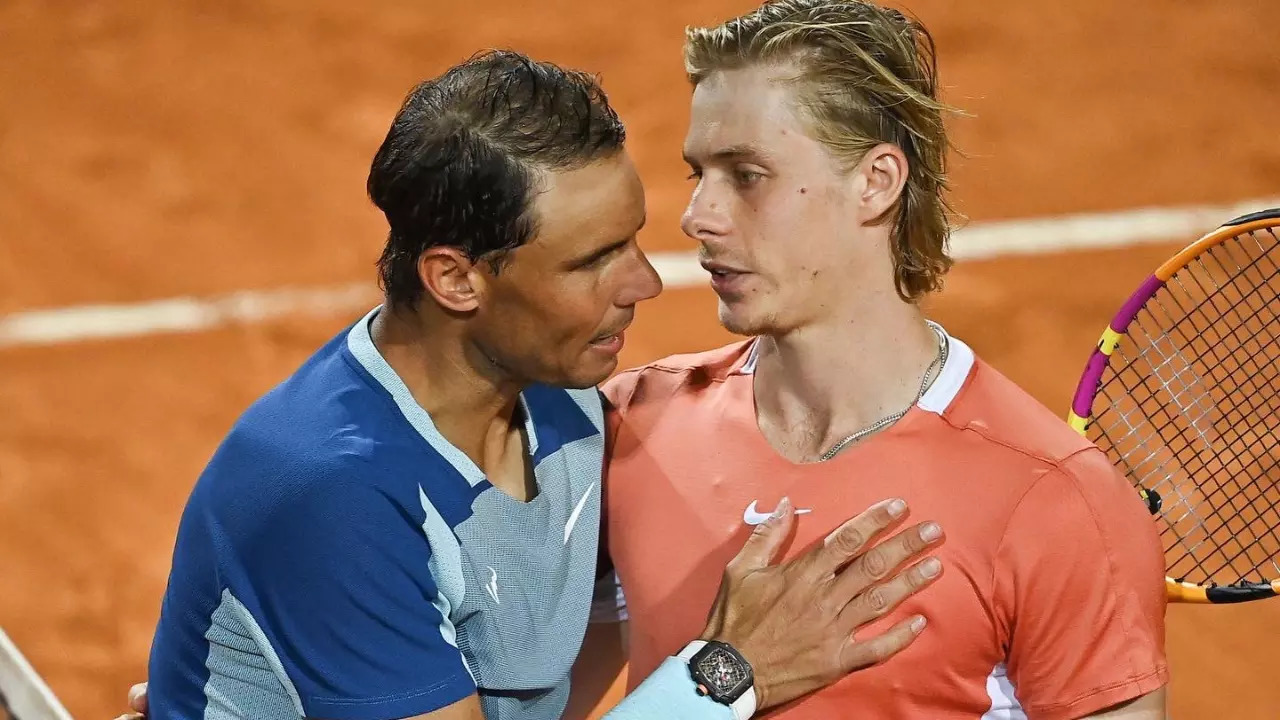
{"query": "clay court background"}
[(151, 150)]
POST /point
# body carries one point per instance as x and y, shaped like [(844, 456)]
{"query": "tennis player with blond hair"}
[(818, 146)]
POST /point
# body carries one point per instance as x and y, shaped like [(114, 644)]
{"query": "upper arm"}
[(353, 602), (1080, 584)]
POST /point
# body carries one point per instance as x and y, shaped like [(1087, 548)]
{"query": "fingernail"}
[(897, 507), (918, 624), (930, 567), (930, 532), (783, 504)]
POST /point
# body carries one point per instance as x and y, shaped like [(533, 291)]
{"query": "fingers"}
[(881, 599), (847, 541), (878, 562), (856, 655), (766, 540), (138, 698)]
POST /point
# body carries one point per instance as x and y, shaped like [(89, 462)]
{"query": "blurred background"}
[(183, 221)]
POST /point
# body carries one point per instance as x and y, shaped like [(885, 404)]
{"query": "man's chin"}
[(740, 322), (589, 375)]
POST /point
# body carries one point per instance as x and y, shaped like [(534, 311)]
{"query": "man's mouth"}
[(721, 269), (611, 340), (726, 280)]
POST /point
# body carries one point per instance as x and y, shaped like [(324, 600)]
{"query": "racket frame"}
[(25, 692)]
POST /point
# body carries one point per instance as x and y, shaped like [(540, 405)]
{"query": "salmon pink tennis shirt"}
[(1051, 603)]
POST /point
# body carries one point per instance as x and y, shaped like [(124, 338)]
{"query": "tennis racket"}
[(23, 695), (1183, 394)]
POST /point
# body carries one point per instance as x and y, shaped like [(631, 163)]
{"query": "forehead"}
[(602, 202), (748, 107)]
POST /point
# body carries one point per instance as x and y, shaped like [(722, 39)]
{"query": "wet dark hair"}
[(459, 166)]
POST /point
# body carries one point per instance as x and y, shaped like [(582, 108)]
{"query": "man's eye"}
[(599, 258), (747, 177)]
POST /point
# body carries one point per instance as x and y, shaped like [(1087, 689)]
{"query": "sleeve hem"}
[(438, 695), (1103, 698)]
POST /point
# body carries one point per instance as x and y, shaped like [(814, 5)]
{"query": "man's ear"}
[(882, 179), (448, 276)]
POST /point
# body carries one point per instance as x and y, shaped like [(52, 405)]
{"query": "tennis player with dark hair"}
[(408, 526), (817, 143)]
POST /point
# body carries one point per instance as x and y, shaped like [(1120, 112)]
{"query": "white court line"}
[(678, 270)]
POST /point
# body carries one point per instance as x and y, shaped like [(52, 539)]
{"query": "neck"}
[(470, 401), (827, 380)]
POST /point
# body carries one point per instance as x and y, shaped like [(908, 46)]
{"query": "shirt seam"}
[(1160, 672), (669, 369), (432, 689), (1033, 455)]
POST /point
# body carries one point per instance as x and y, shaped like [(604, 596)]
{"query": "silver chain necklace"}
[(943, 349)]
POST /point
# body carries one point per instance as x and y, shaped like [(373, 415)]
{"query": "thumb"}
[(766, 541), (138, 698)]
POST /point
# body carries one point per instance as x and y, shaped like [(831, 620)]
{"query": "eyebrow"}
[(743, 151)]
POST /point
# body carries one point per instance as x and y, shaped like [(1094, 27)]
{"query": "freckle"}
[(804, 190)]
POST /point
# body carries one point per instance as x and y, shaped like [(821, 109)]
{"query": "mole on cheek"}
[(804, 190)]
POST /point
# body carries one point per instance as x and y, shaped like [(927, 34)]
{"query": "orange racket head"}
[(1183, 394)]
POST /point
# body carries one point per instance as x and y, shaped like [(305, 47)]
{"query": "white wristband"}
[(744, 707)]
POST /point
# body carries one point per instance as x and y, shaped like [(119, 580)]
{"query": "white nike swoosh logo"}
[(751, 517), (573, 519)]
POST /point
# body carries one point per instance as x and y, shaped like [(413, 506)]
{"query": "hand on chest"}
[(684, 562)]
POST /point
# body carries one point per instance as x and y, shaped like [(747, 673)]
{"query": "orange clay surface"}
[(149, 150)]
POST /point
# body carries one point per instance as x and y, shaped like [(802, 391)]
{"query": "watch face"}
[(721, 671)]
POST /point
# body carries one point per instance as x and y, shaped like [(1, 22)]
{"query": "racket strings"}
[(1249, 390), (1270, 441), (1225, 502), (1217, 503), (1199, 400), (1168, 358), (1157, 441), (1202, 403)]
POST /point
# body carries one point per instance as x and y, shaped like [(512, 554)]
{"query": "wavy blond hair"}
[(867, 75)]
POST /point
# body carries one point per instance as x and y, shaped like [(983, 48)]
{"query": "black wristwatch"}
[(722, 674)]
